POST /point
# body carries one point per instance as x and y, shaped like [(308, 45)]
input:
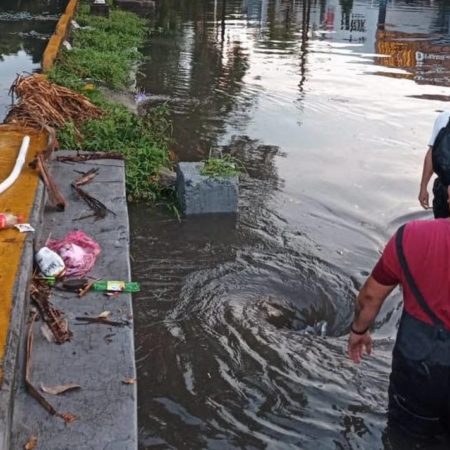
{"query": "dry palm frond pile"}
[(42, 104)]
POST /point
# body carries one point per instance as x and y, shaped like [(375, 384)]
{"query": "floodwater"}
[(25, 27), (329, 104)]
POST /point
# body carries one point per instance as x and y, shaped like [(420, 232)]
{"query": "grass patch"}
[(225, 166), (103, 54)]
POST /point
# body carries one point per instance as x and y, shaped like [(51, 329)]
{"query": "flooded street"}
[(25, 27), (242, 321), (329, 105)]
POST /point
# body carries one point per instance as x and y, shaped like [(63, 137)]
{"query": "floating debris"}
[(318, 329)]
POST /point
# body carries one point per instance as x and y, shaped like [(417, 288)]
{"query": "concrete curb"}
[(16, 334), (57, 39), (99, 357)]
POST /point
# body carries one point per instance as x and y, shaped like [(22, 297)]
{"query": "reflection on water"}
[(25, 26), (329, 105)]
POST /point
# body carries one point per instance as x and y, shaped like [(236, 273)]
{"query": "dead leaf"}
[(129, 381), (104, 315), (60, 389), (32, 443), (47, 333)]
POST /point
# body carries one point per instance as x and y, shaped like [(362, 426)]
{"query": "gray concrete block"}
[(199, 194)]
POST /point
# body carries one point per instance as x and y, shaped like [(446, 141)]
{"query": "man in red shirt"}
[(418, 258)]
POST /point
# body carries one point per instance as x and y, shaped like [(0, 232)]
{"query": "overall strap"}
[(410, 280)]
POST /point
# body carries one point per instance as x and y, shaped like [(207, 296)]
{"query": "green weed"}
[(103, 54), (224, 166)]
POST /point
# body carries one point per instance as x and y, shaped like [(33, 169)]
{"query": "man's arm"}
[(427, 172), (368, 304)]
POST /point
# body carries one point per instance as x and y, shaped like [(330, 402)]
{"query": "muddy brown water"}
[(329, 104)]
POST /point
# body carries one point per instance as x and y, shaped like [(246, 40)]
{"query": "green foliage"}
[(142, 140), (104, 53), (104, 49), (110, 68), (118, 22), (225, 166)]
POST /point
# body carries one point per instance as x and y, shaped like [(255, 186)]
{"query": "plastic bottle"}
[(8, 220), (50, 263), (116, 286)]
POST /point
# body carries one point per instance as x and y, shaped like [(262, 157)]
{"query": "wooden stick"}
[(54, 193)]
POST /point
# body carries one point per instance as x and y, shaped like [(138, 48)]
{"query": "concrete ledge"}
[(99, 357), (199, 194), (57, 39), (16, 335)]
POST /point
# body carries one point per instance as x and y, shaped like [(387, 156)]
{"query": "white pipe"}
[(20, 161)]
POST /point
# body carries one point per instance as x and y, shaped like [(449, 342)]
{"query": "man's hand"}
[(358, 344), (424, 198)]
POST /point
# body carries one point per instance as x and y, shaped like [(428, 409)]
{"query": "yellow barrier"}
[(56, 41), (19, 198)]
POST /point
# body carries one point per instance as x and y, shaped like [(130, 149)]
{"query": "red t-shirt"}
[(426, 245)]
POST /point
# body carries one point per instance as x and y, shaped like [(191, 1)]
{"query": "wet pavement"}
[(329, 105)]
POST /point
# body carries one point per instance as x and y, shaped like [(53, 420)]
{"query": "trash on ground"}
[(116, 286), (55, 196), (100, 209), (31, 444), (90, 157), (51, 281), (24, 227), (50, 263), (59, 389), (67, 417), (78, 251), (75, 284), (86, 177), (47, 333), (104, 321), (54, 318), (86, 289), (129, 381), (104, 315), (8, 220)]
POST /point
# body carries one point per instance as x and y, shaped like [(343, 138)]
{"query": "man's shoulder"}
[(426, 226)]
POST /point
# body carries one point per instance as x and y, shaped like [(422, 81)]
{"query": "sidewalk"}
[(99, 357)]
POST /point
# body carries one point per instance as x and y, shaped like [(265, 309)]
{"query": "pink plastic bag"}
[(78, 251)]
